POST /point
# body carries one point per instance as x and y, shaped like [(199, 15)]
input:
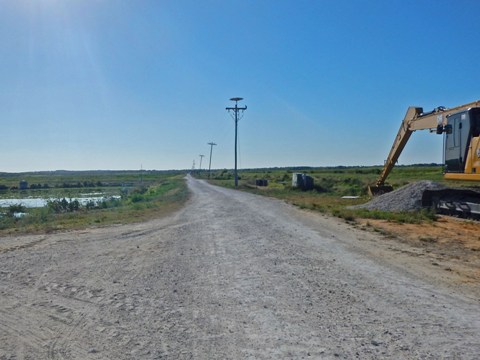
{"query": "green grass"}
[(59, 178), (404, 217), (330, 185), (166, 193)]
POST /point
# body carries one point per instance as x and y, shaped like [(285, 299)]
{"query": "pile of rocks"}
[(406, 198)]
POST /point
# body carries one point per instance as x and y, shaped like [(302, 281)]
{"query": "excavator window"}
[(475, 122)]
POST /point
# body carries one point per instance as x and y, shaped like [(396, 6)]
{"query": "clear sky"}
[(124, 84)]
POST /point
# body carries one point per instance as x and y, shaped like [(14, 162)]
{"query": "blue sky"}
[(120, 84)]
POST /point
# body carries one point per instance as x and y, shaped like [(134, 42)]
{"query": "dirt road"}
[(231, 276)]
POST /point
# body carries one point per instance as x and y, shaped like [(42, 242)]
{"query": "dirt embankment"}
[(449, 244)]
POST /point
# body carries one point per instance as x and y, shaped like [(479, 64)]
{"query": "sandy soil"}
[(231, 276), (450, 245)]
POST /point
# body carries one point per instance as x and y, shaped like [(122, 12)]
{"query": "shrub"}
[(63, 205), (16, 208)]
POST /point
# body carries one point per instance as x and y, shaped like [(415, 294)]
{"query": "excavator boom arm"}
[(399, 143), (416, 119)]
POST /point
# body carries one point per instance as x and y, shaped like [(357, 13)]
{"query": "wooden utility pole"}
[(236, 110), (201, 158), (212, 144)]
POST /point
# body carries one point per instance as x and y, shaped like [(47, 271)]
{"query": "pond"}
[(41, 202)]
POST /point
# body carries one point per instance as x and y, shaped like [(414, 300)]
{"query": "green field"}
[(331, 184), (140, 195)]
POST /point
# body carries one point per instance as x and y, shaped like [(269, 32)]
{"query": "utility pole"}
[(236, 110), (201, 158), (212, 144)]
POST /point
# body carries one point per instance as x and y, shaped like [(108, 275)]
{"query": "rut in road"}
[(231, 276)]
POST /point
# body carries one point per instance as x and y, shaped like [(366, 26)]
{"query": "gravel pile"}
[(407, 198)]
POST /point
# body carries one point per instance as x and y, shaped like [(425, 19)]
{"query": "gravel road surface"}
[(231, 276)]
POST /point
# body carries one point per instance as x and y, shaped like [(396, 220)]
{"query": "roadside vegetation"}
[(121, 197), (129, 196), (336, 189)]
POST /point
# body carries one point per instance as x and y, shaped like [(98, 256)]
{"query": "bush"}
[(16, 208), (63, 205)]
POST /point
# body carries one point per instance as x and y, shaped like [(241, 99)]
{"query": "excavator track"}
[(463, 203)]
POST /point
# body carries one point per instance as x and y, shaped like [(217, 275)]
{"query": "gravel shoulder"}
[(230, 276)]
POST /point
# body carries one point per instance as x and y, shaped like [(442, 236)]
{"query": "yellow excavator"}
[(461, 128)]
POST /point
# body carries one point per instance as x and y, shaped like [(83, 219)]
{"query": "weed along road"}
[(230, 276)]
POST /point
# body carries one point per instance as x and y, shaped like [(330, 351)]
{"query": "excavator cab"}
[(460, 130)]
